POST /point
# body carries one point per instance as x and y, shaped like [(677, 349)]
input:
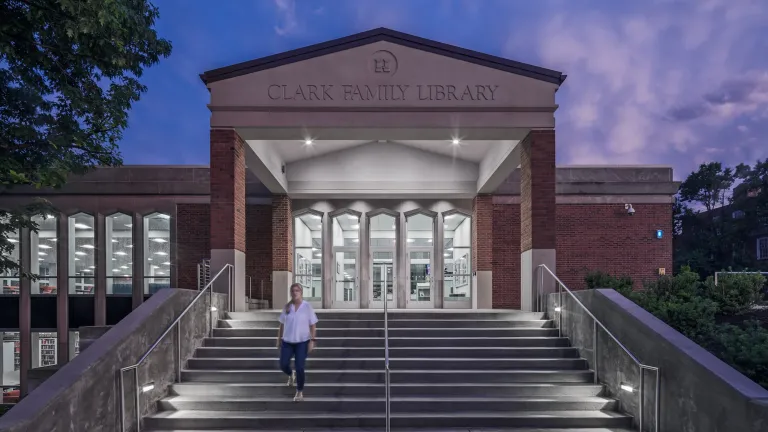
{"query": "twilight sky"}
[(672, 82)]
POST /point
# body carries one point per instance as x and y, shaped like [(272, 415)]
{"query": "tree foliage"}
[(69, 72)]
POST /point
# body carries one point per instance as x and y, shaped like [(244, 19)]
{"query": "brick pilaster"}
[(537, 191), (282, 234), (227, 190), (482, 233)]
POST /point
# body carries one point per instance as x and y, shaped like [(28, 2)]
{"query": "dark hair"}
[(288, 305)]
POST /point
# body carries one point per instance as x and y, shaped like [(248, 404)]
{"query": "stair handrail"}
[(595, 324), (177, 325), (386, 355)]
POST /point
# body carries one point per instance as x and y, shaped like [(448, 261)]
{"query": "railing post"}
[(641, 394), (539, 287), (658, 406), (562, 308), (210, 311), (121, 386), (138, 401), (178, 351), (594, 348)]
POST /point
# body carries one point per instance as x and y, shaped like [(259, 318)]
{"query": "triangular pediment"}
[(383, 35), (383, 69)]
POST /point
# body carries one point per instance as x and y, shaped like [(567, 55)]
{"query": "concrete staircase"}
[(449, 371)]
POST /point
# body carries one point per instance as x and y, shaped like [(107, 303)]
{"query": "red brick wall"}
[(282, 234), (258, 244), (482, 233), (506, 256), (589, 237), (537, 190), (227, 190), (193, 241), (603, 237)]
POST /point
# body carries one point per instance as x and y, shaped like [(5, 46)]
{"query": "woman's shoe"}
[(292, 380), (299, 397)]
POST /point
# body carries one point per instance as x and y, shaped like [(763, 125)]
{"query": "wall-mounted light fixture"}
[(558, 309), (630, 210), (627, 387), (147, 387)]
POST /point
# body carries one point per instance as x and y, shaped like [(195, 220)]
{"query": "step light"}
[(147, 387), (627, 387)]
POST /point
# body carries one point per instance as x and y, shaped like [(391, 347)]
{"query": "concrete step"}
[(272, 315), (292, 420), (395, 353), (397, 324), (217, 390), (427, 429), (403, 342), (426, 377), (396, 333), (396, 364), (375, 405)]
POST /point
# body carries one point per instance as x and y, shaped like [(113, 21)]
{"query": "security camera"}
[(629, 209)]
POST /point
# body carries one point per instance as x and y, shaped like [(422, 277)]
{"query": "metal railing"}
[(595, 325), (386, 356), (176, 324)]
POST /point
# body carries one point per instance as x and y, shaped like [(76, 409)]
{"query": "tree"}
[(69, 73)]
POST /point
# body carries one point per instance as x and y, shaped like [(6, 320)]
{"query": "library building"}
[(379, 167)]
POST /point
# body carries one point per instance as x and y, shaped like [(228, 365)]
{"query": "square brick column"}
[(482, 252), (282, 249), (228, 211), (537, 214)]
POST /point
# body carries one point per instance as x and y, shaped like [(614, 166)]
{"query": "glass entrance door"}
[(345, 283), (383, 279), (420, 276)]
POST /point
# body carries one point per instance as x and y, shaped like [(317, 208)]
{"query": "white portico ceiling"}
[(290, 151)]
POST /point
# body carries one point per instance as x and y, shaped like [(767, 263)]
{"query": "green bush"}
[(690, 306), (745, 348), (735, 293), (599, 279)]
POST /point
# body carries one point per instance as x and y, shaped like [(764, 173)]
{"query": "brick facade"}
[(282, 234), (506, 256), (258, 254), (227, 190), (193, 241), (482, 233), (589, 237), (537, 190)]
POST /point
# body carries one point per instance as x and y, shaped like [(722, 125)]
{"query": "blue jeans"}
[(299, 351)]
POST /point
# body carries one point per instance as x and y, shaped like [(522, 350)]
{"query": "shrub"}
[(735, 293), (745, 348), (598, 279)]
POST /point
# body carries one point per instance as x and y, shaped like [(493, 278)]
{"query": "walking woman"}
[(296, 338)]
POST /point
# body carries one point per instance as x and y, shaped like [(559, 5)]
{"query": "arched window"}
[(44, 259), (382, 229), (11, 281), (457, 256), (157, 252), (420, 235), (82, 253), (345, 225), (308, 253), (119, 253)]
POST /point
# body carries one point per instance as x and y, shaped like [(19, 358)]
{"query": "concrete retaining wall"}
[(83, 395), (698, 392)]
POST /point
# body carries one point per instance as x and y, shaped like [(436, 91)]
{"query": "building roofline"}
[(387, 35)]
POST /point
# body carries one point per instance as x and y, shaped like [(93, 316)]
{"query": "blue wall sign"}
[(659, 234)]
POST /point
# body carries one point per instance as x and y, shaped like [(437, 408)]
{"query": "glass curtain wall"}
[(346, 249), (82, 254), (420, 237), (308, 255), (119, 253), (382, 243), (157, 252), (11, 277), (44, 257), (457, 249)]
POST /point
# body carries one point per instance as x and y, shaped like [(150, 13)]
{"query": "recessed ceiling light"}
[(455, 141), (129, 225), (114, 259), (44, 246), (167, 263), (154, 267), (91, 266), (87, 270), (126, 276), (149, 259), (114, 241), (49, 216), (88, 246), (160, 273), (115, 270), (42, 253), (41, 259), (123, 267), (160, 253), (308, 141), (80, 253), (163, 216), (53, 239), (130, 246), (120, 253), (13, 240), (82, 226), (159, 240)]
